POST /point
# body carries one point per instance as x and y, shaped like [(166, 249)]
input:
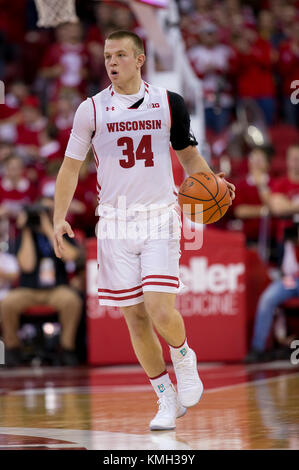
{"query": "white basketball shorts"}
[(135, 256)]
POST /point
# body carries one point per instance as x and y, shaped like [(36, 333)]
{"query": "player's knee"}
[(137, 310), (136, 318), (159, 312)]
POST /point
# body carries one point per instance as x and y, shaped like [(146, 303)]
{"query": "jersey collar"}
[(127, 104)]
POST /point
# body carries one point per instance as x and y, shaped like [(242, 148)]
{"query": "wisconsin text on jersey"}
[(123, 126)]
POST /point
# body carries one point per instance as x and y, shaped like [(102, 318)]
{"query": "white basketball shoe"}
[(169, 410), (189, 385)]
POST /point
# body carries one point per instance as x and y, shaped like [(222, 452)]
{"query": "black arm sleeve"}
[(180, 134)]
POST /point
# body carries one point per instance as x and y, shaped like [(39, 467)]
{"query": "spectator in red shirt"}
[(46, 187), (289, 71), (65, 61), (15, 96), (254, 70), (284, 197), (10, 111), (249, 205), (63, 115), (211, 62), (50, 148), (15, 191), (32, 123), (6, 149)]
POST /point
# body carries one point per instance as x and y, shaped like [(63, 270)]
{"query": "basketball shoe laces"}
[(168, 404), (187, 373)]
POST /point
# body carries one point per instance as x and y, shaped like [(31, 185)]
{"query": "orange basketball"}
[(204, 197)]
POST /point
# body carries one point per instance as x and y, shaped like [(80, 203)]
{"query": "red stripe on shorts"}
[(162, 277), (160, 284), (121, 298), (114, 291)]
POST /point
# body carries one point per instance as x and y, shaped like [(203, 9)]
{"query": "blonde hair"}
[(137, 41)]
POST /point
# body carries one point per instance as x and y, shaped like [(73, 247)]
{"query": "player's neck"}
[(129, 88)]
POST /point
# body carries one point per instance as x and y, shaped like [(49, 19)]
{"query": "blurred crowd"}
[(245, 53), (244, 50)]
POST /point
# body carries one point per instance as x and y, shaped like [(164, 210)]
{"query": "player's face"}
[(121, 61)]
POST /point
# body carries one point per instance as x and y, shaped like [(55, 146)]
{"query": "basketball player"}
[(130, 125)]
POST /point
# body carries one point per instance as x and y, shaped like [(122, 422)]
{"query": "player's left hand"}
[(60, 229), (231, 187)]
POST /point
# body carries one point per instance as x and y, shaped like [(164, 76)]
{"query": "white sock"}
[(161, 383), (180, 352)]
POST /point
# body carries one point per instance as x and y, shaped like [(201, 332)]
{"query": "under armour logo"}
[(183, 351), (108, 109), (161, 388)]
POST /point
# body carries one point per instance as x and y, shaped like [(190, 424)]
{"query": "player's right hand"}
[(60, 229)]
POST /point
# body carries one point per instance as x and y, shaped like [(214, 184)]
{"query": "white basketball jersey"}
[(131, 149)]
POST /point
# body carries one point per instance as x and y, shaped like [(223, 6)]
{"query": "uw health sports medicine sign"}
[(212, 303), (212, 288)]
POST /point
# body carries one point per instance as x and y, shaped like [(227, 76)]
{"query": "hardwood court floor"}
[(243, 407)]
